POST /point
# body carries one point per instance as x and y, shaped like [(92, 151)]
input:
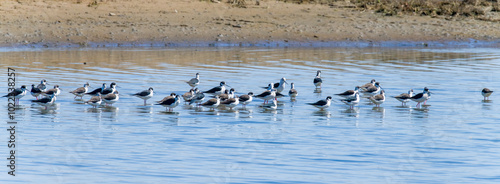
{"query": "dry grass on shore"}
[(430, 7)]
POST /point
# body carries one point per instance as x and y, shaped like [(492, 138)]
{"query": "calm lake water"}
[(454, 140)]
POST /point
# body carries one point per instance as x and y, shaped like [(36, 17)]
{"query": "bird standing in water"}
[(194, 81), (317, 80), (322, 104), (145, 95), (17, 94), (486, 93)]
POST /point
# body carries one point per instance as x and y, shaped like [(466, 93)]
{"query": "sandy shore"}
[(59, 23)]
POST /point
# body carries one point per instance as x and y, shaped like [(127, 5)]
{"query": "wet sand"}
[(80, 23)]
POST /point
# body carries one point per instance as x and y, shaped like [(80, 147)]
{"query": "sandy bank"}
[(56, 23)]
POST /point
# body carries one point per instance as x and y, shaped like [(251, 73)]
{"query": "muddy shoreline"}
[(184, 23), (276, 44)]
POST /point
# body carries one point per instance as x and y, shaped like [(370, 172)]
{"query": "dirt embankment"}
[(55, 23)]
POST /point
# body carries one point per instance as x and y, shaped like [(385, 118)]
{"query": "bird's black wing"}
[(14, 93), (94, 92), (348, 92), (169, 101), (321, 102), (417, 96), (316, 80), (213, 90), (106, 91), (36, 90), (265, 93), (142, 93)]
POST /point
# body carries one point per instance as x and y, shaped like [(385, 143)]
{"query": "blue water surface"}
[(455, 139)]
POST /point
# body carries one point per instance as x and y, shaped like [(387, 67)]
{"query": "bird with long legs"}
[(352, 101), (317, 80), (486, 93), (421, 97), (80, 92), (145, 95), (17, 94), (404, 97)]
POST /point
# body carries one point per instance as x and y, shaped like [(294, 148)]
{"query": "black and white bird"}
[(378, 99), (42, 86), (367, 85), (271, 86), (111, 98), (35, 92), (170, 103), (95, 100), (421, 97), (279, 86), (111, 89), (246, 99), (373, 89), (212, 103), (17, 94), (54, 91), (79, 92), (198, 98), (231, 102), (224, 96), (188, 95), (278, 94), (46, 101), (268, 94), (486, 93), (231, 93), (172, 95), (293, 92), (194, 81), (352, 101), (349, 93), (404, 97), (322, 104), (145, 95), (317, 80), (98, 90), (217, 90)]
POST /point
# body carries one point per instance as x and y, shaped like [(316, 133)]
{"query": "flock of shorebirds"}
[(222, 97)]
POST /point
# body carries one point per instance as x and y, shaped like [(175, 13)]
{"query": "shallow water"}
[(453, 140)]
